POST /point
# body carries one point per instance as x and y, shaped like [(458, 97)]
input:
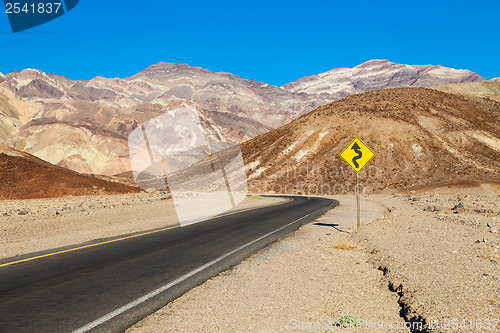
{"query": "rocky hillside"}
[(25, 176), (488, 90), (84, 125), (421, 137), (378, 74)]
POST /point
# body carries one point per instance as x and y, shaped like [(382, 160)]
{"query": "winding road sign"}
[(357, 154)]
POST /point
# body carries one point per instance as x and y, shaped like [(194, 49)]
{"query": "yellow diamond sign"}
[(357, 154)]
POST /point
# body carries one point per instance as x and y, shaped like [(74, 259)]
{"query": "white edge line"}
[(169, 285)]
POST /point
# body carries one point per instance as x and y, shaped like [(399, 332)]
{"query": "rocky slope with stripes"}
[(421, 137)]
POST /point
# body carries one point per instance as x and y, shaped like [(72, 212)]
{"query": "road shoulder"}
[(442, 262), (310, 278), (31, 226)]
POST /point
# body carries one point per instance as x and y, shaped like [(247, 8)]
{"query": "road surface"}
[(109, 285)]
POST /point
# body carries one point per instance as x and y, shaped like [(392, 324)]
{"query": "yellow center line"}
[(137, 235)]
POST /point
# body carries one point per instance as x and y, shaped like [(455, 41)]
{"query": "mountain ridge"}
[(84, 124), (378, 74)]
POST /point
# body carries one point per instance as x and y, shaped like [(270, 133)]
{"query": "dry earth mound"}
[(421, 137), (25, 176)]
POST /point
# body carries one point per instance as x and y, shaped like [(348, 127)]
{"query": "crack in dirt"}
[(418, 324)]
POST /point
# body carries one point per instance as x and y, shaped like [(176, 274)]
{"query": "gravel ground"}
[(29, 226), (419, 255), (430, 256), (444, 263), (305, 281)]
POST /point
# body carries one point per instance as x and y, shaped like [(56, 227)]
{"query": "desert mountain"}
[(378, 74), (421, 137), (488, 90), (25, 176), (84, 125)]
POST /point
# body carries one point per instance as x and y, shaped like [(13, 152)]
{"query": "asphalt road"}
[(109, 287)]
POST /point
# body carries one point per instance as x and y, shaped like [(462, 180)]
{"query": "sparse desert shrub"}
[(348, 321), (344, 246)]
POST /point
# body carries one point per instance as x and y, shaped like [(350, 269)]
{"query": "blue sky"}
[(272, 41)]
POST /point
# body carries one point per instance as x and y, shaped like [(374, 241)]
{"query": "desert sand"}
[(30, 226), (406, 265), (429, 257)]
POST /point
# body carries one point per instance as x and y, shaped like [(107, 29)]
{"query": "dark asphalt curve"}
[(109, 287)]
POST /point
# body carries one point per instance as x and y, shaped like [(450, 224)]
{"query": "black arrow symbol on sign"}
[(357, 150)]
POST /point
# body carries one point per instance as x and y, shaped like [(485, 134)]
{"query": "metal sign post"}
[(357, 198), (357, 155)]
